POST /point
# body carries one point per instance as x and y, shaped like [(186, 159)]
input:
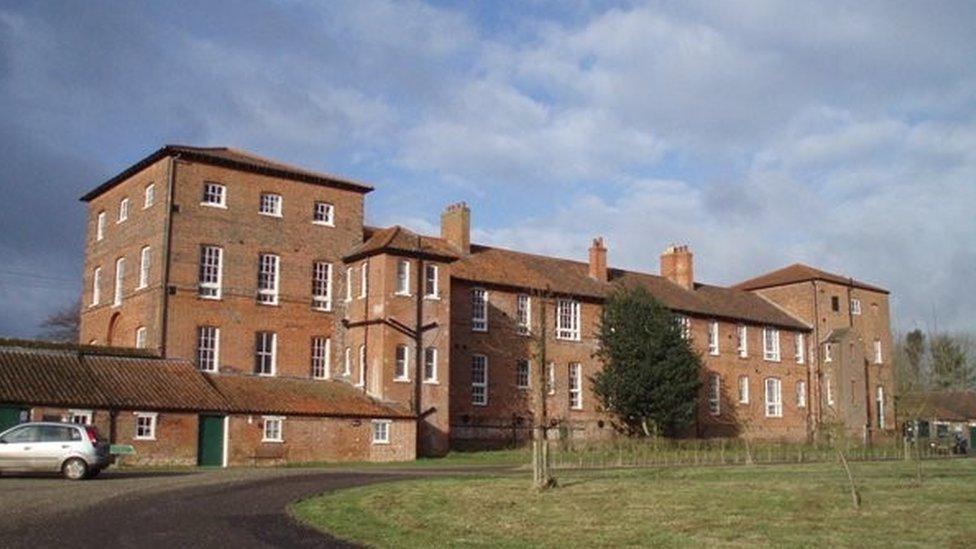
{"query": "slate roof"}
[(235, 159), (943, 405), (402, 241), (295, 396), (799, 272)]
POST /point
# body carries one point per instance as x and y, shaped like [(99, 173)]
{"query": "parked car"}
[(77, 451)]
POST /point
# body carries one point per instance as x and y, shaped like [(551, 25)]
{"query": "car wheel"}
[(74, 469)]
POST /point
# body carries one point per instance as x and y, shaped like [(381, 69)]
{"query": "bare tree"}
[(542, 478), (62, 325)]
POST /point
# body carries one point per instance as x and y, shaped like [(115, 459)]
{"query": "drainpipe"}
[(418, 343), (168, 231), (816, 340)]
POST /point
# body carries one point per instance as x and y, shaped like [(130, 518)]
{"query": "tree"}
[(949, 364), (651, 375), (61, 326), (542, 478)]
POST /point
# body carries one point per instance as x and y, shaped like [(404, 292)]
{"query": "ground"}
[(783, 505)]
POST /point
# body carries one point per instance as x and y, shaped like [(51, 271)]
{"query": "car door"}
[(54, 443), (16, 447)]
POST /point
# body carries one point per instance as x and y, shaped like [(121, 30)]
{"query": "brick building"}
[(265, 274)]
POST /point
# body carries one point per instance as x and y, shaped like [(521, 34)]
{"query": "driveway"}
[(234, 508)]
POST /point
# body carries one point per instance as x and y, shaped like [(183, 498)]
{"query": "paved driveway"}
[(230, 508)]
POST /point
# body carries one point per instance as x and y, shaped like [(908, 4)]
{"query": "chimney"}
[(456, 226), (598, 260), (678, 267)]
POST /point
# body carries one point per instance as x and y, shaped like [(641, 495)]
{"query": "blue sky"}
[(760, 133)]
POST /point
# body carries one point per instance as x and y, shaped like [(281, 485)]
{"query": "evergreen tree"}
[(651, 375)]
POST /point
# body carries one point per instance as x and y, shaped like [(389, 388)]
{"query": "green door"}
[(210, 444), (10, 416)]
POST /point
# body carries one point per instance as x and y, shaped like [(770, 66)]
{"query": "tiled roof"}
[(489, 265), (403, 241), (799, 272), (945, 405), (232, 158), (278, 395)]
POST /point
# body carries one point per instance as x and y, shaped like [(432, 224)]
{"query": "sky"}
[(760, 133)]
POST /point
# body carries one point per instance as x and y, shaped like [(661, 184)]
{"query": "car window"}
[(29, 433), (54, 433)]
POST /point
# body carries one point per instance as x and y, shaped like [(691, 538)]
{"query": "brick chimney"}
[(456, 226), (598, 260), (678, 267)]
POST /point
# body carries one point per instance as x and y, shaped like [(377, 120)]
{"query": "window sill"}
[(716, 353), (480, 330), (209, 297), (322, 309), (323, 223), (433, 297), (266, 214), (521, 388), (267, 303), (481, 404), (401, 380), (264, 375), (145, 439), (400, 294), (212, 205), (771, 359), (381, 443), (431, 382), (272, 441)]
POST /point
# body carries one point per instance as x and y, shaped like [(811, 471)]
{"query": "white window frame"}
[(96, 286), (321, 357), (523, 373), (800, 348), (381, 431), (829, 389), (774, 398), (401, 363), (347, 362), (364, 279), (323, 213), (575, 386), (743, 389), (568, 313), (123, 210), (479, 310), (714, 394), (801, 394), (880, 406), (551, 378), (144, 265), (348, 284), (321, 286), (86, 417), (855, 306), (100, 226), (523, 314), (771, 348), (148, 430), (149, 196), (742, 340), (210, 272), (431, 283), (141, 334), (269, 275), (685, 324), (210, 353), (402, 273), (362, 366), (430, 365), (261, 352), (479, 383), (117, 293), (214, 195), (878, 355), (269, 204), (828, 354), (272, 429), (713, 338)]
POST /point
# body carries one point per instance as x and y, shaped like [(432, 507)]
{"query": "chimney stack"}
[(598, 260), (678, 267), (456, 226)]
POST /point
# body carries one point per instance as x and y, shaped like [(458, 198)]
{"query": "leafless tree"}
[(542, 478), (62, 325)]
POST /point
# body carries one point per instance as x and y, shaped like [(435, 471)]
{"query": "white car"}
[(77, 451)]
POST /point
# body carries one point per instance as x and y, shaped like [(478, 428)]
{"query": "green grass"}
[(734, 505), (506, 458)]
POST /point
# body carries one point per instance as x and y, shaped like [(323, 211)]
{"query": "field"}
[(799, 504)]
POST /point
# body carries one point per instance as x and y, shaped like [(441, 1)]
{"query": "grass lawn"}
[(737, 505)]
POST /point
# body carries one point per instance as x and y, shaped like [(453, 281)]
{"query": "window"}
[(348, 284), (771, 344), (855, 306), (774, 398), (880, 407), (213, 195), (827, 353), (551, 378), (742, 340), (799, 346), (430, 282), (381, 431), (403, 277), (479, 310), (270, 204), (522, 373), (877, 352), (835, 303), (150, 197), (362, 366), (272, 429), (80, 417), (364, 280), (713, 337), (479, 380), (100, 227), (575, 386), (96, 286), (123, 210), (145, 426), (568, 319), (323, 214), (743, 390), (400, 372), (119, 277), (801, 394), (714, 394), (268, 279), (523, 314), (430, 364), (830, 389), (347, 362), (684, 323), (208, 348), (320, 357), (211, 269), (141, 337), (322, 286), (265, 352), (144, 267)]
